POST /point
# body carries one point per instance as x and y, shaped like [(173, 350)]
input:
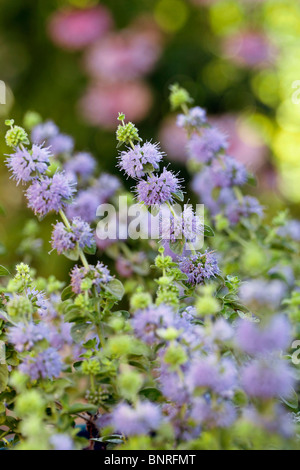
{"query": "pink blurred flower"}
[(249, 48), (124, 55), (173, 140), (75, 28), (103, 101), (245, 144)]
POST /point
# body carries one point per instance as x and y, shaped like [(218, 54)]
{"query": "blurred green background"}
[(239, 59)]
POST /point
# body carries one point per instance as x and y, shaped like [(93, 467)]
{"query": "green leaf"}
[(177, 247), (115, 288), (179, 196), (73, 255), (151, 393), (90, 250), (252, 180), (79, 332), (208, 231), (81, 408), (67, 293), (292, 400), (3, 377), (4, 271)]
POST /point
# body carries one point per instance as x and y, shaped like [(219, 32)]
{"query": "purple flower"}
[(61, 442), (146, 322), (81, 166), (184, 225), (38, 299), (219, 376), (25, 336), (199, 267), (228, 172), (263, 292), (291, 229), (205, 147), (61, 143), (49, 194), (43, 132), (98, 274), (142, 419), (221, 414), (255, 340), (135, 162), (194, 120), (27, 164), (238, 209), (86, 203), (46, 364), (276, 420), (65, 239), (158, 189), (172, 387), (267, 378), (85, 206)]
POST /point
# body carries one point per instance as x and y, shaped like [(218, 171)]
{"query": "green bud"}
[(29, 403), (163, 262), (121, 117), (120, 345), (117, 324), (31, 119), (221, 222), (129, 383), (91, 367), (16, 136), (31, 426), (140, 301), (207, 305), (168, 297), (169, 334), (23, 272), (18, 380), (165, 281), (128, 133), (179, 97), (19, 306), (54, 285), (175, 355), (254, 259)]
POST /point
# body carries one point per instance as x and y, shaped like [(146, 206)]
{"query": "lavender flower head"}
[(146, 322), (199, 267), (184, 225), (46, 365), (256, 340), (208, 372), (98, 275), (61, 442), (49, 133), (65, 239), (25, 164), (24, 337), (227, 172), (158, 189), (205, 147), (194, 120), (267, 378), (142, 419), (218, 415), (49, 194), (43, 132), (238, 209), (81, 166), (135, 162)]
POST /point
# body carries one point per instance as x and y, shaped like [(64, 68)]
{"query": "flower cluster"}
[(78, 234)]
